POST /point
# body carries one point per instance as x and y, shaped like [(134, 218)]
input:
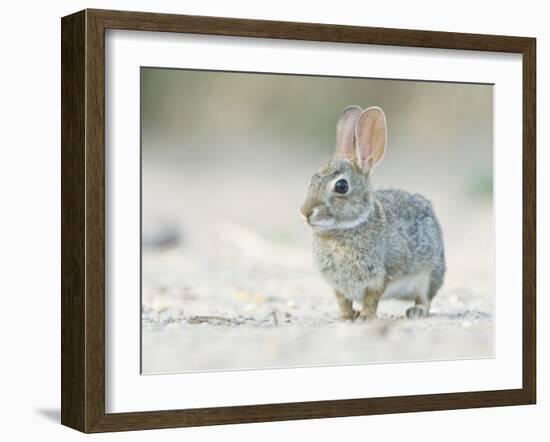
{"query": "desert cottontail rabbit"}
[(371, 242)]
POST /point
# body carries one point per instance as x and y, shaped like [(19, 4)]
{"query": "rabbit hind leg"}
[(424, 295), (421, 307)]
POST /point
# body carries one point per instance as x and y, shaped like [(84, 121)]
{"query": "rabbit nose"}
[(306, 211)]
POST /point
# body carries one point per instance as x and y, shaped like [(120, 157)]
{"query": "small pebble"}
[(291, 303)]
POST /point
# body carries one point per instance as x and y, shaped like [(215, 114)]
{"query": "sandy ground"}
[(225, 287)]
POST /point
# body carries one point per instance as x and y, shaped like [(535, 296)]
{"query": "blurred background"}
[(228, 280)]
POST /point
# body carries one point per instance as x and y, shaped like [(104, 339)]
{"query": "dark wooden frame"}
[(83, 218)]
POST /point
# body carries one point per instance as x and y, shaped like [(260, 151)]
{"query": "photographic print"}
[(252, 209), (298, 221)]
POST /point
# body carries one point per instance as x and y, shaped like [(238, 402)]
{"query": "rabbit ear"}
[(345, 131), (370, 134)]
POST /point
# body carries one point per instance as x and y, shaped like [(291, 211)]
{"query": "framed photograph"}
[(269, 220)]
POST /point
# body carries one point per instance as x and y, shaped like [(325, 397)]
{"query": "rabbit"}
[(366, 242)]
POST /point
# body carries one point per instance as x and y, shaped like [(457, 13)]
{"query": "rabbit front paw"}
[(347, 313), (370, 304), (350, 315), (367, 316)]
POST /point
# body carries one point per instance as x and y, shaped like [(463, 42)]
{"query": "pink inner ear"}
[(371, 137), (345, 131), (364, 154), (346, 149), (365, 137)]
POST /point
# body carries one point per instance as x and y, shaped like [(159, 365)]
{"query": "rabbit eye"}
[(341, 186)]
